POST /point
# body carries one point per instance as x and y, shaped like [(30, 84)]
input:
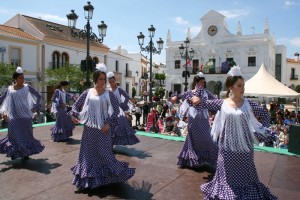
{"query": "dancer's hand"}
[(195, 100), (105, 128), (174, 99), (5, 117), (75, 120)]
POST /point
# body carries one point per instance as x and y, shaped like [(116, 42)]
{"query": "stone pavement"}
[(48, 176)]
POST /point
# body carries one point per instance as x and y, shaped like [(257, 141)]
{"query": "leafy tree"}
[(6, 72), (297, 88), (70, 73), (160, 92)]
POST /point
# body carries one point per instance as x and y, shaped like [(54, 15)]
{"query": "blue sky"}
[(126, 18)]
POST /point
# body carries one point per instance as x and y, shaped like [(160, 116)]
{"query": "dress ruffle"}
[(256, 190), (123, 133), (115, 172), (20, 150)]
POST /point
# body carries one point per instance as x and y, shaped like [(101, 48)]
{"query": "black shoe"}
[(13, 158), (25, 158)]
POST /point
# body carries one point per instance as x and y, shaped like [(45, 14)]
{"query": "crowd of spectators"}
[(163, 118)]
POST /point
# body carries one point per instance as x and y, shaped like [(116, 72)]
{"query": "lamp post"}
[(187, 55), (87, 34), (152, 50)]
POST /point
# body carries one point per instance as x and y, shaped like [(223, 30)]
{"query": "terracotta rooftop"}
[(15, 32), (292, 60), (57, 31)]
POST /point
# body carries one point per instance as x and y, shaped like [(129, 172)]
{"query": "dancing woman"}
[(235, 128), (18, 103), (123, 133), (63, 128), (198, 148), (97, 108)]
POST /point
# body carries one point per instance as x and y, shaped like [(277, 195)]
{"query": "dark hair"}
[(16, 75), (62, 83), (196, 80), (96, 75), (230, 81)]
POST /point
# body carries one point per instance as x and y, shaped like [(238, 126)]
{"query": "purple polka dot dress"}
[(63, 128), (235, 130), (17, 105), (97, 164), (123, 133), (198, 148)]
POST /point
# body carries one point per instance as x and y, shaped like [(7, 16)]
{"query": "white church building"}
[(214, 45)]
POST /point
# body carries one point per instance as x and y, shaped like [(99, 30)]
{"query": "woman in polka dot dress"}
[(198, 148), (97, 108), (235, 128), (63, 128), (123, 133), (18, 103)]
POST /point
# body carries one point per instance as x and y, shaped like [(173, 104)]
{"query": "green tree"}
[(70, 73), (297, 88), (160, 92), (6, 72)]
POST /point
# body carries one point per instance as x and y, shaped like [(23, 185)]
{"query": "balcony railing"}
[(294, 77), (211, 70)]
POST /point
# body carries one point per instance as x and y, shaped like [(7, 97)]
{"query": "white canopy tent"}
[(264, 84)]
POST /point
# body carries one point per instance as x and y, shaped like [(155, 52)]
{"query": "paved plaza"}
[(48, 176)]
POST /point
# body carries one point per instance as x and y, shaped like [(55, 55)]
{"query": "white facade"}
[(293, 71), (20, 51), (214, 42)]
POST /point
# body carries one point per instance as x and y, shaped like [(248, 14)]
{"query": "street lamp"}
[(152, 50), (87, 34), (187, 55)]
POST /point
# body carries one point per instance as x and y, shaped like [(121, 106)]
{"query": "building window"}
[(15, 57), (64, 59), (127, 88), (251, 61), (293, 74), (126, 72), (117, 65), (278, 66), (55, 60), (177, 64), (105, 59)]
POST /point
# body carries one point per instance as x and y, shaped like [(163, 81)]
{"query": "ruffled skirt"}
[(97, 165), (123, 133), (63, 128), (19, 141)]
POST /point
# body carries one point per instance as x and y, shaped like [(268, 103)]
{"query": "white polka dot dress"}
[(198, 148), (97, 164), (236, 176), (63, 128), (19, 142), (123, 133)]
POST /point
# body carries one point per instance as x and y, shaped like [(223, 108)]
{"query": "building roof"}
[(15, 32), (57, 31), (292, 60)]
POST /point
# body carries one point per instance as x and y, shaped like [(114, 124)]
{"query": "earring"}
[(231, 95)]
